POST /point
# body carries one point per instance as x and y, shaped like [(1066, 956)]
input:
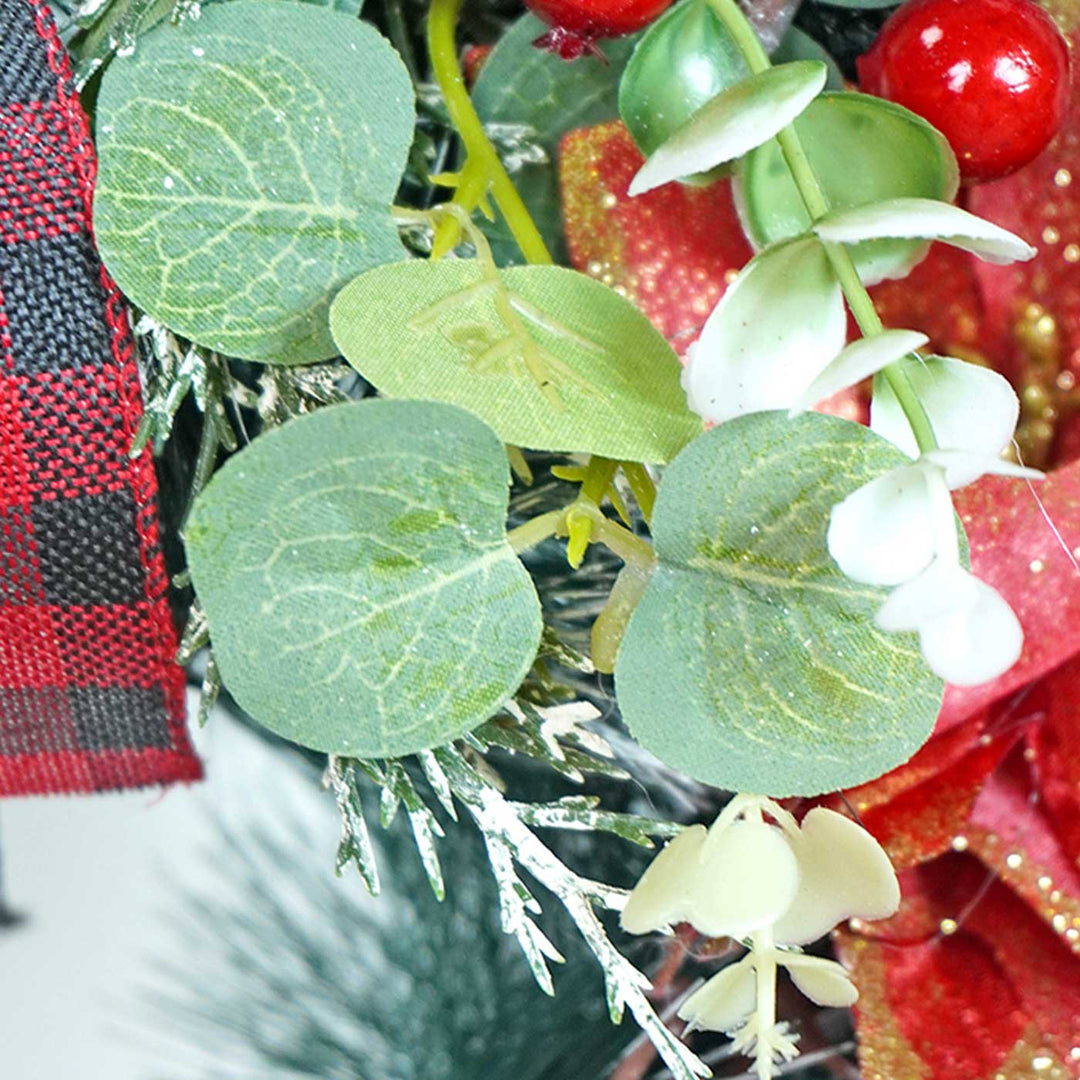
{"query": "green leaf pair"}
[(693, 107), (752, 663), (899, 155), (364, 599)]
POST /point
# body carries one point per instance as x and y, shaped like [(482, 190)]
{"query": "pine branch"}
[(554, 736), (398, 790), (196, 636), (579, 813), (504, 829), (341, 778)]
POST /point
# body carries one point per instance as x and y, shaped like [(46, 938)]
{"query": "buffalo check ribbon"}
[(90, 698)]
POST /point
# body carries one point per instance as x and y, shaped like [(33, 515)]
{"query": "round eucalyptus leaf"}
[(247, 163), (683, 60), (751, 662), (863, 150), (550, 358), (353, 564)]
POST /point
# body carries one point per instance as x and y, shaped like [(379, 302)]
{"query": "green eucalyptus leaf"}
[(550, 358), (354, 567), (522, 85), (248, 161), (798, 45), (751, 662), (734, 122), (863, 150), (683, 60)]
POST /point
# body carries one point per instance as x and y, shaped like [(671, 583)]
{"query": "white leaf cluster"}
[(778, 885), (900, 529)]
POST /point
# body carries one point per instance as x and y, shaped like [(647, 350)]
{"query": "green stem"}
[(862, 307), (641, 484), (742, 34), (519, 465), (630, 548), (483, 167), (442, 46), (536, 530), (817, 206)]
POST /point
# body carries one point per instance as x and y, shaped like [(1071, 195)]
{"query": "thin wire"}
[(851, 809), (1046, 516)]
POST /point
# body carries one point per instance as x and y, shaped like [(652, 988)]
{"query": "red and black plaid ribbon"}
[(89, 696)]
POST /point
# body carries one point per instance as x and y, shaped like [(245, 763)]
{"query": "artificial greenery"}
[(550, 358), (263, 178), (899, 153)]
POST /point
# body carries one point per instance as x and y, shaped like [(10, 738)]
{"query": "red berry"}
[(576, 24), (991, 75)]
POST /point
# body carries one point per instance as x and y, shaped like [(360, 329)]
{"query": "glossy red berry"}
[(991, 75), (576, 24)]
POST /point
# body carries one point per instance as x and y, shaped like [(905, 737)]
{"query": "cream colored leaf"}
[(749, 878), (823, 981), (666, 892), (725, 1001), (843, 873)]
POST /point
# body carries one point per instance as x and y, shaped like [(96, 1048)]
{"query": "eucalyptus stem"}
[(442, 46), (598, 476), (817, 206), (641, 484), (483, 169), (536, 530), (630, 548)]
